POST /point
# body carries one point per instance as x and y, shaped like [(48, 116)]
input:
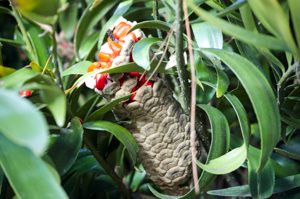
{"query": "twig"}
[(59, 81), (156, 17), (24, 32), (193, 99), (106, 167)]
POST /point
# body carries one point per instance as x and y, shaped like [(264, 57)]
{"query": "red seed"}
[(117, 29), (133, 89), (121, 80), (25, 93), (133, 74), (101, 81), (80, 120), (132, 97)]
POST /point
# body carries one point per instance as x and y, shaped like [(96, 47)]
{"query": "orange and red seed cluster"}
[(106, 59)]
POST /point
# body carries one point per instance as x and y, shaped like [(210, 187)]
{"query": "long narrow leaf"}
[(262, 97), (240, 33)]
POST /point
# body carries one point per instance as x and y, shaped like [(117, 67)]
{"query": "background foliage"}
[(62, 141)]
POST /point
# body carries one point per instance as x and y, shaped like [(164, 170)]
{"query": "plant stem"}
[(156, 17), (183, 76), (59, 81), (106, 167), (24, 32), (182, 72), (282, 81)]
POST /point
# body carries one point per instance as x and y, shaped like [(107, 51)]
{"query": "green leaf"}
[(240, 33), (293, 5), (88, 46), (56, 103), (121, 9), (155, 24), (17, 113), (277, 24), (261, 96), (138, 14), (237, 4), (130, 67), (220, 7), (87, 21), (17, 78), (281, 185), (207, 36), (141, 51), (107, 107), (79, 68), (291, 121), (68, 19), (21, 166), (65, 150), (5, 71), (119, 132), (39, 44)]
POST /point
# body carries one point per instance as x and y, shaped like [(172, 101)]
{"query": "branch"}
[(106, 167)]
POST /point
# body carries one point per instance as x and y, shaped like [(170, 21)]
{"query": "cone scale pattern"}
[(159, 125)]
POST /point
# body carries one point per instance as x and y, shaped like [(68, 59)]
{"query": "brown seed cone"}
[(160, 128)]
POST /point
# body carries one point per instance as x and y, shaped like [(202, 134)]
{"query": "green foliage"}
[(246, 61)]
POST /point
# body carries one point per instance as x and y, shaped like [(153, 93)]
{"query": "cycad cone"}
[(41, 7)]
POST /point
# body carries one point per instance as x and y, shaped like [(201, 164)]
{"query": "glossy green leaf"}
[(281, 185), (88, 46), (21, 166), (17, 78), (5, 71), (121, 9), (64, 151), (56, 103), (141, 51), (237, 4), (138, 14), (261, 96), (17, 113), (107, 107), (240, 33), (88, 20), (277, 24), (79, 68), (293, 5), (207, 36), (156, 24), (130, 67), (252, 178), (68, 19), (220, 7), (39, 44), (291, 121), (249, 24), (205, 73), (36, 17), (122, 134), (222, 82)]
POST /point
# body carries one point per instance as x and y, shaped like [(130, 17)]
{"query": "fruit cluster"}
[(120, 44)]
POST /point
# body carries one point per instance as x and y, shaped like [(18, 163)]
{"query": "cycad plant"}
[(223, 82)]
